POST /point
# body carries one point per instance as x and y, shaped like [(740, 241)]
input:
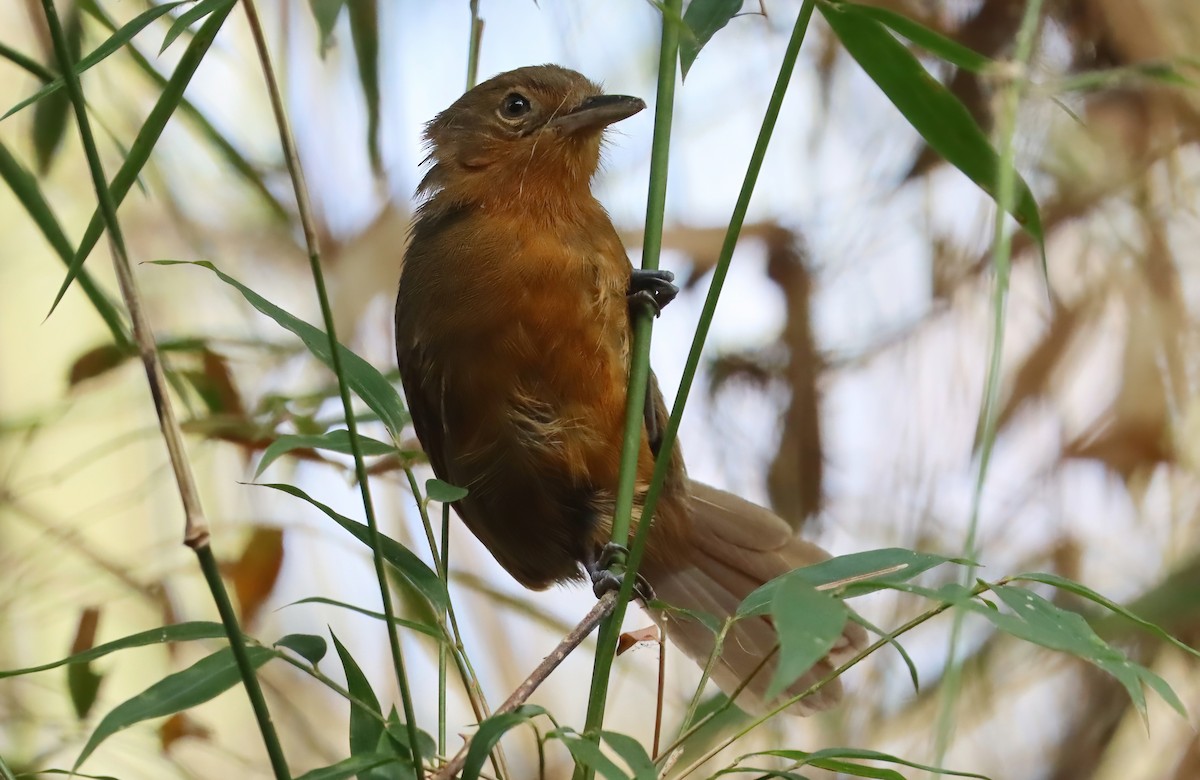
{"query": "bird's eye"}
[(514, 106)]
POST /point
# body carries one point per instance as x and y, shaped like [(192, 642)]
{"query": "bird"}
[(513, 328)]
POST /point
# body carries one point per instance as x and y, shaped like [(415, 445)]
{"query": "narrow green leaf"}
[(310, 647), (931, 109), (333, 441), (428, 630), (83, 683), (894, 643), (633, 754), (98, 55), (587, 753), (931, 41), (1160, 686), (6, 772), (190, 17), (866, 572), (202, 681), (405, 562), (364, 29), (397, 731), (229, 153), (29, 194), (490, 732), (365, 730), (179, 632), (704, 18), (325, 14), (139, 152), (367, 382), (349, 767), (809, 623), (861, 755), (26, 63), (50, 115), (444, 492), (1062, 583)]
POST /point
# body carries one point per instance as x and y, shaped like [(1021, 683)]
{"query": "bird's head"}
[(530, 133)]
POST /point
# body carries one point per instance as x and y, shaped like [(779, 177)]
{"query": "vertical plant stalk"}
[(307, 222), (443, 572), (1006, 193), (639, 374), (196, 531), (473, 46)]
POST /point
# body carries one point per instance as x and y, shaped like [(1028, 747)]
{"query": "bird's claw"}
[(651, 289), (605, 580)]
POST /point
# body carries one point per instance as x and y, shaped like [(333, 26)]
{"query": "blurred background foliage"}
[(843, 382)]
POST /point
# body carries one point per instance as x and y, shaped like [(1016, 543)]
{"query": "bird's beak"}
[(597, 113)]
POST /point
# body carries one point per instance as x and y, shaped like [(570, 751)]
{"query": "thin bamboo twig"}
[(196, 530), (602, 608), (308, 223)]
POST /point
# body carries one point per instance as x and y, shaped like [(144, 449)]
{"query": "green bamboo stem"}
[(639, 375)]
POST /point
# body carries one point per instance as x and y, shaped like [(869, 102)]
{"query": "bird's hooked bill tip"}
[(598, 112)]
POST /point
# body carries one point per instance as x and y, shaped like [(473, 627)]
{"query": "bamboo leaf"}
[(310, 647), (333, 441), (367, 382), (931, 109), (101, 52), (190, 17), (406, 563), (143, 145), (179, 632), (704, 18), (202, 681)]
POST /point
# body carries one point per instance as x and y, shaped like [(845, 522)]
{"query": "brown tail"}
[(736, 546)]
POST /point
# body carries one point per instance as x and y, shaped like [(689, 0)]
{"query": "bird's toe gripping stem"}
[(604, 579), (651, 289)]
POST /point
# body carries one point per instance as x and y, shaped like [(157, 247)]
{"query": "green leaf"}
[(50, 115), (931, 109), (364, 30), (179, 632), (367, 382), (310, 647), (818, 757), (350, 767), (633, 754), (334, 441), (98, 55), (325, 14), (894, 643), (29, 194), (809, 623), (366, 727), (587, 753), (1062, 583), (406, 563), (1037, 620), (437, 490), (704, 18), (202, 681), (866, 572), (427, 630), (83, 683), (490, 732), (931, 41), (139, 152), (397, 732), (190, 17)]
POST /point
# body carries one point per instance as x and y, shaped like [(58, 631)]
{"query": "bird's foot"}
[(605, 580), (651, 290)]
